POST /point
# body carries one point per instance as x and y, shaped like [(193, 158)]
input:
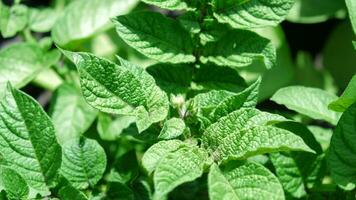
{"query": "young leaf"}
[(143, 31), (12, 20), (342, 153), (351, 6), (42, 20), (157, 152), (28, 141), (311, 102), (239, 48), (83, 162), (172, 128), (168, 4), (120, 89), (20, 63), (83, 18), (178, 167), (242, 181), (71, 115), (251, 14), (110, 128), (238, 136), (347, 98), (14, 185)]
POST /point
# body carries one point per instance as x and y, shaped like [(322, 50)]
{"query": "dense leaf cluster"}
[(161, 101)]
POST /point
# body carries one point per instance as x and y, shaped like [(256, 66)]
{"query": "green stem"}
[(27, 36)]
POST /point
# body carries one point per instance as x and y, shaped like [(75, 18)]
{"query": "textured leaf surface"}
[(143, 31), (20, 63), (342, 153), (70, 193), (12, 19), (238, 136), (347, 98), (314, 103), (120, 89), (14, 185), (238, 181), (71, 115), (213, 77), (83, 18), (172, 128), (83, 162), (239, 48), (253, 13), (178, 167), (157, 152), (168, 4), (28, 141)]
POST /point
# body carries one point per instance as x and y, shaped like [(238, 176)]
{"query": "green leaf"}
[(190, 22), (315, 11), (143, 31), (110, 128), (299, 170), (124, 89), (347, 98), (183, 165), (42, 20), (245, 133), (211, 77), (243, 181), (172, 78), (211, 106), (83, 162), (83, 18), (12, 20), (251, 14), (172, 128), (239, 48), (342, 153), (351, 6), (322, 135), (20, 63), (168, 4), (71, 115), (28, 141), (311, 102), (14, 185), (157, 152), (70, 193)]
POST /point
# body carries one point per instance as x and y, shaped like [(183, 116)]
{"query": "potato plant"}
[(176, 100)]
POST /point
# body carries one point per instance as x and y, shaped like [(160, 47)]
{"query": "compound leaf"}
[(83, 162), (143, 31)]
